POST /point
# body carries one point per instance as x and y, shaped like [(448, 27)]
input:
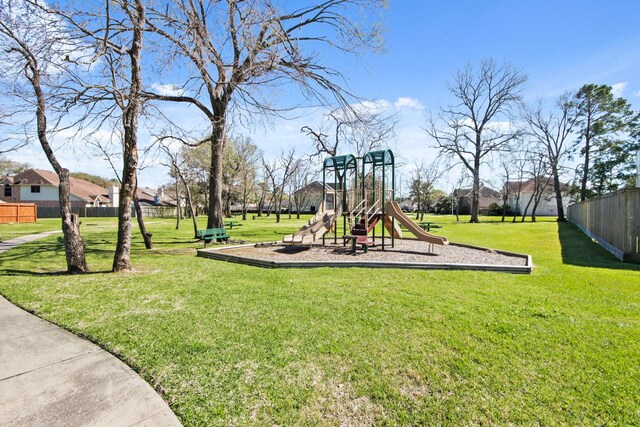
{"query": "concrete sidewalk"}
[(50, 377), (11, 243)]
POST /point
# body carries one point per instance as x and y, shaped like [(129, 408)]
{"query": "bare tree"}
[(423, 185), (239, 162), (514, 162), (176, 164), (195, 161), (470, 130), (129, 102), (278, 173), (8, 144), (462, 179), (240, 49), (249, 156), (111, 93), (111, 157), (538, 171), (358, 129), (552, 130), (36, 43), (263, 190), (9, 167), (300, 194), (506, 165)]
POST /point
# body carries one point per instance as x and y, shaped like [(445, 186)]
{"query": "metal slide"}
[(317, 226), (393, 210)]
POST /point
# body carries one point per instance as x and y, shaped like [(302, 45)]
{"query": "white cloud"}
[(377, 106), (636, 93), (503, 127), (168, 89), (618, 89), (404, 102)]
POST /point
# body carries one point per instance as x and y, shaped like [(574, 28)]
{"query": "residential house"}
[(7, 195), (312, 196), (487, 197), (152, 197), (41, 187), (547, 205)]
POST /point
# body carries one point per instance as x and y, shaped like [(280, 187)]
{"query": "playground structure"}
[(361, 198), (317, 226)]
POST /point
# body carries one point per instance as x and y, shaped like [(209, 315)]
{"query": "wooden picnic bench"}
[(232, 224), (428, 225), (211, 234)]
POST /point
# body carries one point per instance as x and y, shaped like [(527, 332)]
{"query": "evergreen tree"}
[(605, 124)]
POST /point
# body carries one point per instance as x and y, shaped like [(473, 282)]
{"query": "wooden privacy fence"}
[(613, 221), (17, 212)]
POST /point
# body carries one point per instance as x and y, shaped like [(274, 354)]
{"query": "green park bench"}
[(211, 234)]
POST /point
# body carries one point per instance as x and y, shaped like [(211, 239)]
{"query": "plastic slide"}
[(317, 226), (396, 230), (393, 210)]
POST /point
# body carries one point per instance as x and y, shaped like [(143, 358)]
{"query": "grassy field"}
[(228, 344)]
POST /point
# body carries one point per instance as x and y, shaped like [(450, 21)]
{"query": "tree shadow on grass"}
[(17, 272), (579, 249), (54, 248)]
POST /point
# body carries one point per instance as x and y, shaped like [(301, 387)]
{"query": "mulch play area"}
[(407, 253)]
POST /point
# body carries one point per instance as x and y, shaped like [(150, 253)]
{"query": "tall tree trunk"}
[(505, 197), (74, 247), (216, 216), (244, 203), (122, 257), (524, 214), (587, 152), (260, 204), (517, 205), (534, 209), (504, 208), (192, 211), (475, 197), (178, 209), (558, 193), (146, 236)]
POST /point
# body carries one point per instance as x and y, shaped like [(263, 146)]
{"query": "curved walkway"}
[(48, 376)]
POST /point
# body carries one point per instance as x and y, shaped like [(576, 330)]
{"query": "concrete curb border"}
[(218, 254)]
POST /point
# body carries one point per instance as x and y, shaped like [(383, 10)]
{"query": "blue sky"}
[(560, 45)]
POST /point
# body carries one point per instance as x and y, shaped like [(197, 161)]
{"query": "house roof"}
[(148, 196), (529, 185), (80, 188), (315, 186), (484, 192)]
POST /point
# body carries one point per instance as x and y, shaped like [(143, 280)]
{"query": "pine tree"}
[(605, 125)]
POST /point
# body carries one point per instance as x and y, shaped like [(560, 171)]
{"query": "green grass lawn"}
[(229, 344)]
